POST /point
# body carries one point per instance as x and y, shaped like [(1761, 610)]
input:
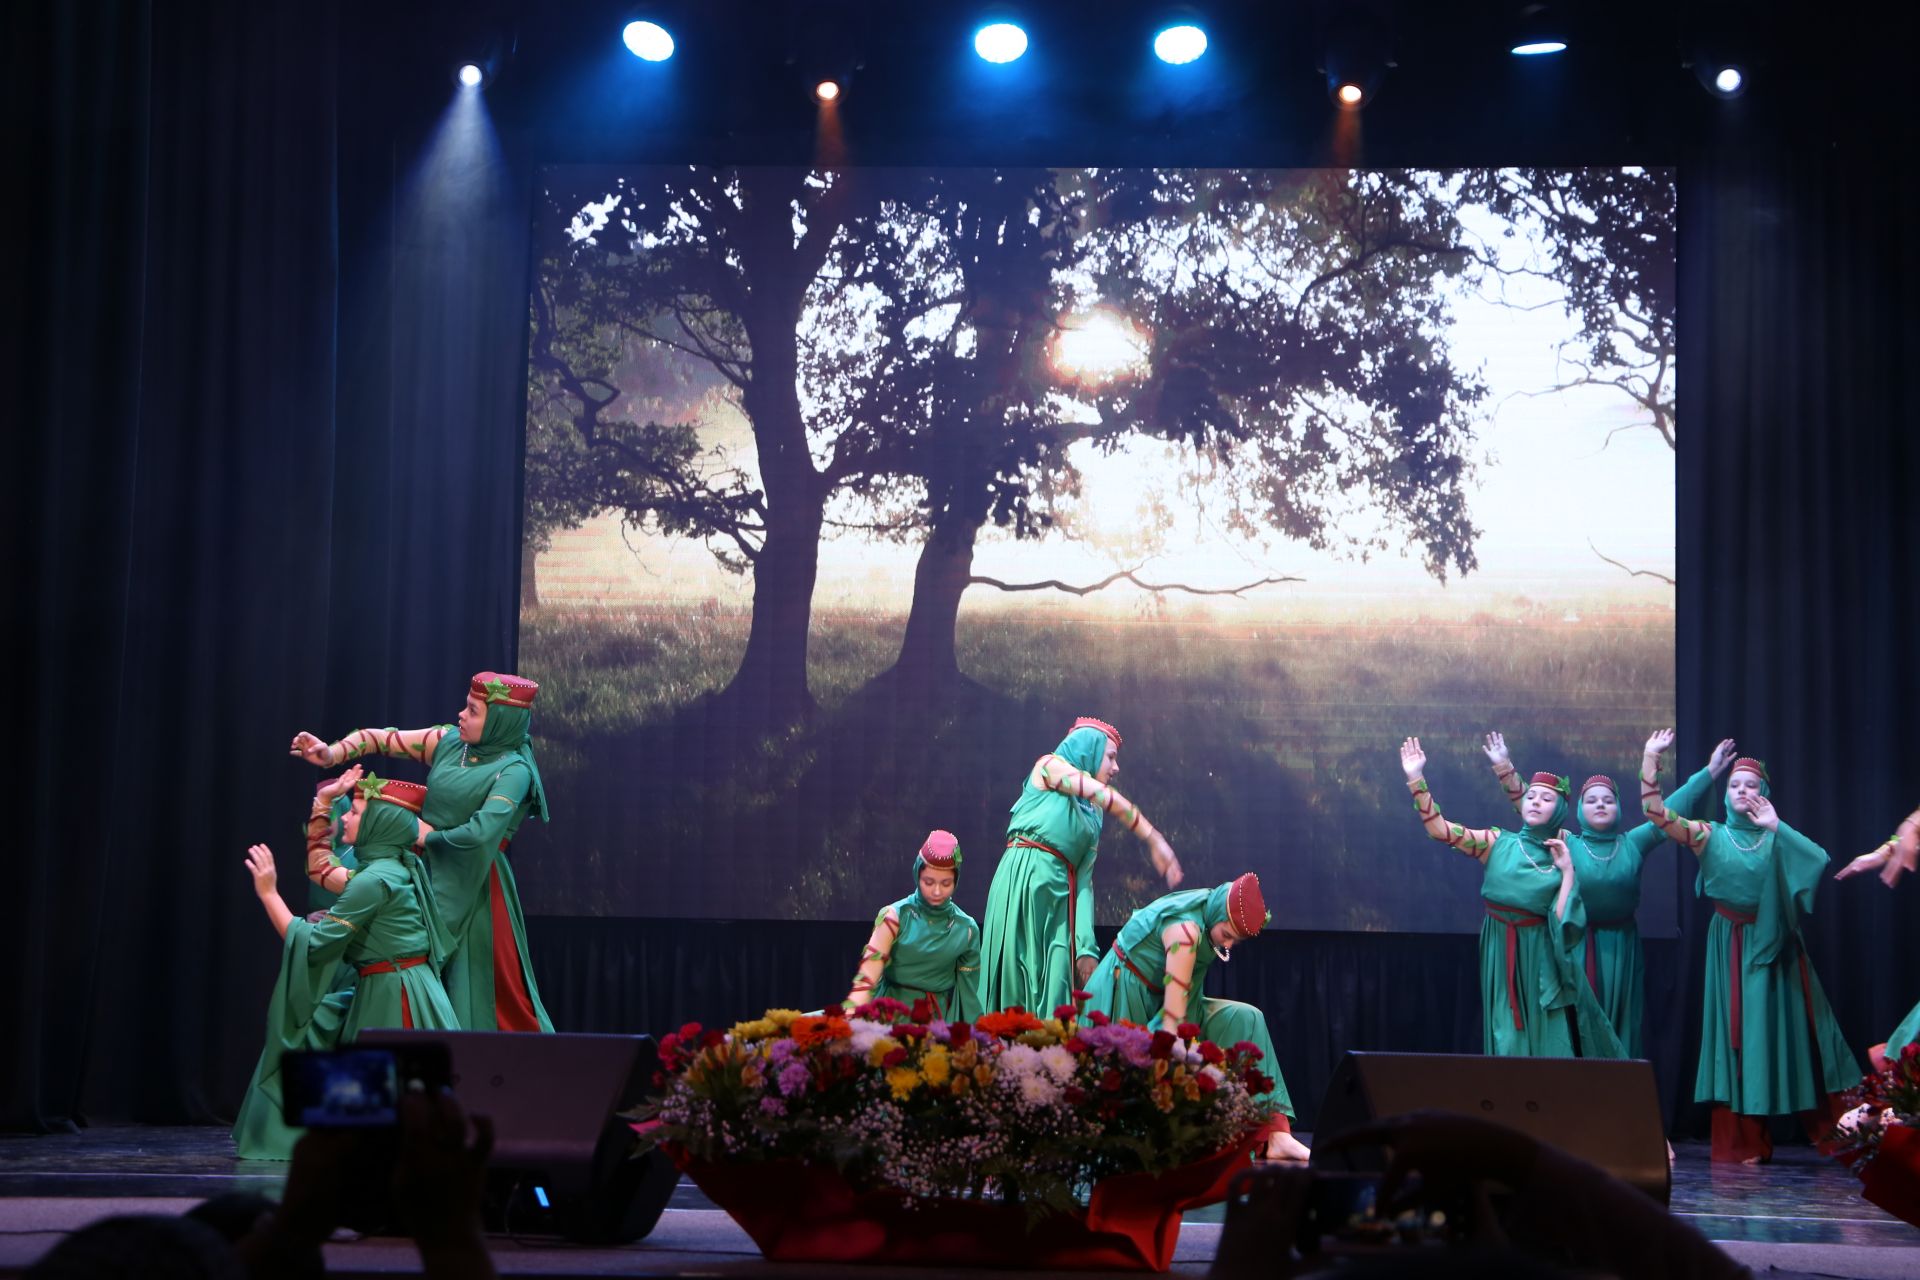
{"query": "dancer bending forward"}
[(1155, 969), (1899, 855)]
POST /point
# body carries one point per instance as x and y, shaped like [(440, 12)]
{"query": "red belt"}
[(1151, 984), (391, 966), (1515, 919), (503, 846), (1736, 956), (1593, 966), (1073, 885)]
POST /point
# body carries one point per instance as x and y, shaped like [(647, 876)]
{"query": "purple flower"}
[(793, 1078), (772, 1106)]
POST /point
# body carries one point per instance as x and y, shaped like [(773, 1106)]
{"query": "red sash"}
[(1515, 920), (1736, 957), (1593, 964), (1151, 985), (391, 966)]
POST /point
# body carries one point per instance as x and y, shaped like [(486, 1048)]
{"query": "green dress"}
[(1608, 865), (477, 797), (1120, 993), (383, 915), (936, 954), (1761, 883), (1532, 996), (1905, 1034), (1040, 905)]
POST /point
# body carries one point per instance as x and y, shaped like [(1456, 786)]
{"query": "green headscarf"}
[(1611, 834), (1737, 820), (1545, 831), (946, 909), (508, 730), (1216, 909), (1085, 749), (388, 830)]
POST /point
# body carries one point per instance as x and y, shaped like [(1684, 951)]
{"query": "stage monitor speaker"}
[(561, 1158), (1607, 1112)]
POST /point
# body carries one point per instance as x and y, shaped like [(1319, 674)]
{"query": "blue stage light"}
[(1000, 42), (1180, 45), (1534, 48), (470, 75), (649, 41), (1728, 82)]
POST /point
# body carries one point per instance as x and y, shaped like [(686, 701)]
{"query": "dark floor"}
[(1801, 1199)]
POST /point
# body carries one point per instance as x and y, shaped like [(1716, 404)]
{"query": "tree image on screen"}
[(846, 491)]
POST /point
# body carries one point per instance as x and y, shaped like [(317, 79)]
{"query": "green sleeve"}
[(1083, 944), (1798, 865), (966, 982), (492, 822)]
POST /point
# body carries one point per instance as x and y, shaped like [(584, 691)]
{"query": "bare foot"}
[(1284, 1146)]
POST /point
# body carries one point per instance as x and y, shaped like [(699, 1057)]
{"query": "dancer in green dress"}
[(924, 947), (1155, 969), (1768, 1041), (383, 928), (1533, 1001), (1037, 939), (1893, 859), (1607, 864), (482, 782)]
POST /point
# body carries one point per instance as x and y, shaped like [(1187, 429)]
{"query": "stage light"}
[(470, 75), (648, 41), (1536, 32), (826, 91), (1000, 42), (1728, 81), (1180, 45), (1355, 54)]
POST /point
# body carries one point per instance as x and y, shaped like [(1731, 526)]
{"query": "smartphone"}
[(357, 1088)]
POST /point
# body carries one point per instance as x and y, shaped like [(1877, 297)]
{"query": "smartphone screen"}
[(340, 1089)]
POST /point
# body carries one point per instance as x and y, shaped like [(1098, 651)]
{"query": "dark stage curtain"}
[(263, 318)]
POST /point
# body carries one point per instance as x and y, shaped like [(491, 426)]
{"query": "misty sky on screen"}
[(1562, 474)]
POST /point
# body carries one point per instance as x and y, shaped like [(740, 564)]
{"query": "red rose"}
[(1065, 1011), (1162, 1046), (1206, 1082), (712, 1038), (1257, 1083), (1098, 1018), (909, 1031), (959, 1032), (691, 1031), (923, 1010), (1075, 1044), (1081, 997), (1188, 1030), (1211, 1052), (1250, 1048), (895, 1058), (1074, 1095), (1110, 1081)]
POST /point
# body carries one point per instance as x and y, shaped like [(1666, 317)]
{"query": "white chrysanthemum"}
[(1059, 1062)]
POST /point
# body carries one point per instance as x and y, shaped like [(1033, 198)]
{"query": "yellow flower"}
[(758, 1029), (903, 1081), (782, 1018), (961, 1083), (881, 1048), (983, 1074), (1042, 1036), (936, 1064)]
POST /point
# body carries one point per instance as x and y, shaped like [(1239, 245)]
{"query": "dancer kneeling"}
[(1533, 1001), (1768, 1041), (924, 947), (385, 925), (1157, 965)]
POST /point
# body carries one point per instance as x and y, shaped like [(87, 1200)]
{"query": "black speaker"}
[(561, 1160), (1606, 1112)]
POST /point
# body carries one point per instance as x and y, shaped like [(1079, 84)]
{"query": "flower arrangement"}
[(1880, 1137), (1012, 1108)]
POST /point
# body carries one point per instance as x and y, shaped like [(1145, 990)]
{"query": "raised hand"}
[(1496, 749), (1413, 761), (312, 750), (1760, 809), (335, 787), (1165, 861), (1722, 756), (1557, 850), (1658, 743), (266, 878)]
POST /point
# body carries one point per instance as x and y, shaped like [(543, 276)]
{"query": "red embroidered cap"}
[(1246, 908), (941, 851), (495, 686), (410, 796), (1758, 768), (1088, 722), (1600, 780), (1551, 781)]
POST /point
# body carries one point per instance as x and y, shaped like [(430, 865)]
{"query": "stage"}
[(1801, 1215)]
